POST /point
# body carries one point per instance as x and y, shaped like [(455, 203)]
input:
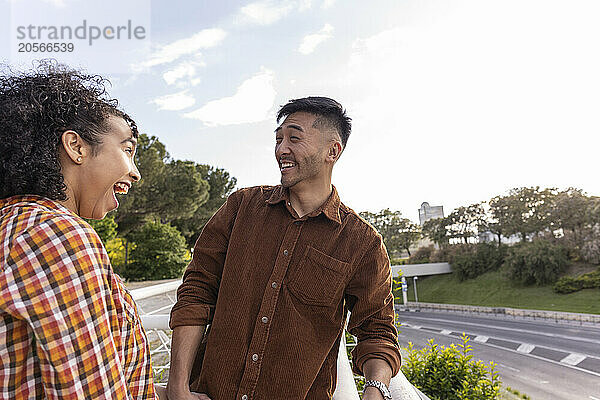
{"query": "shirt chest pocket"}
[(318, 278)]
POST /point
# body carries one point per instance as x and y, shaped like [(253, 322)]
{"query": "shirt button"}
[(244, 397), (274, 285), (264, 320), (254, 357), (285, 252)]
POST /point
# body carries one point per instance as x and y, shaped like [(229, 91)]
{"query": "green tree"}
[(221, 185), (105, 228), (436, 229), (525, 211), (465, 222), (169, 189), (398, 233), (160, 252)]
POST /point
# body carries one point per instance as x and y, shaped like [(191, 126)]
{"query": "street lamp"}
[(415, 286)]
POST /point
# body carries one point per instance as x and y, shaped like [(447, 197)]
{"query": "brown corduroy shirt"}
[(276, 288)]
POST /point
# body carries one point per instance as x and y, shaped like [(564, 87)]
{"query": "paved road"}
[(542, 359)]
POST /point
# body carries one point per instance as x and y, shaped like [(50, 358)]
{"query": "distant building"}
[(427, 212), (487, 237)]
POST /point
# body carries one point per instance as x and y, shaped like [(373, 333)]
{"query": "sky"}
[(452, 102)]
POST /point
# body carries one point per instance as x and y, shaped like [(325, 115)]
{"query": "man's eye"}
[(295, 138)]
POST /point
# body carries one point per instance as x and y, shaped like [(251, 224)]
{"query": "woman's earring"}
[(78, 159)]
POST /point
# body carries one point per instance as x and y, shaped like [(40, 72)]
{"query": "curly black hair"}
[(36, 107)]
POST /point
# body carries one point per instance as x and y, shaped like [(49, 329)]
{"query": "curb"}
[(514, 312)]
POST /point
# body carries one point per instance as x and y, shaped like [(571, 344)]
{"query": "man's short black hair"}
[(330, 114), (36, 107)]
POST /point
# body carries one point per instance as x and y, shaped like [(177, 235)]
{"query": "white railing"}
[(159, 335)]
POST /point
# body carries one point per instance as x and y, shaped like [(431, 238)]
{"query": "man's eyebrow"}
[(292, 126), (131, 140)]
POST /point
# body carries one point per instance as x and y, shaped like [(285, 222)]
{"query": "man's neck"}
[(306, 199)]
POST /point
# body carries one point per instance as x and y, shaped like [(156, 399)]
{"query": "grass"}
[(494, 289)]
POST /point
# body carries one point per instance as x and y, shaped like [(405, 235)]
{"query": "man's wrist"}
[(372, 393), (380, 387)]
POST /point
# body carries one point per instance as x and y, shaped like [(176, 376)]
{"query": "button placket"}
[(267, 309)]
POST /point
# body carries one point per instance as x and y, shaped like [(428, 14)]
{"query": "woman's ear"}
[(74, 146)]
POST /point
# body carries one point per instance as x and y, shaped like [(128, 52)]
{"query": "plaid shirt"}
[(68, 328)]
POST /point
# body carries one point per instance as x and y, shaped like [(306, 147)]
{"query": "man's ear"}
[(335, 149), (74, 146)]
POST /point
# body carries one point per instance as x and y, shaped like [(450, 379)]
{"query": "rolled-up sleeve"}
[(369, 294), (197, 295)]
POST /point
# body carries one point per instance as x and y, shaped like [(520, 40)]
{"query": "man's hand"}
[(372, 393), (184, 394)]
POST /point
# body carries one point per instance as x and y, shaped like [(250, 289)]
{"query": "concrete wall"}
[(421, 269)]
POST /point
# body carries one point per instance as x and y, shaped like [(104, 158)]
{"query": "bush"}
[(539, 262), (476, 259), (567, 284), (590, 280), (160, 252), (450, 373), (422, 255)]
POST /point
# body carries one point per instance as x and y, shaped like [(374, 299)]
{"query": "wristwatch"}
[(385, 392)]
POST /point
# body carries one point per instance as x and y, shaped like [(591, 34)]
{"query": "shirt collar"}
[(32, 200), (331, 207)]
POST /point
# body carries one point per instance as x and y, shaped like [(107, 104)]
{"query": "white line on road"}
[(573, 359), (594, 398), (574, 338), (445, 332), (511, 368), (481, 339), (525, 348), (539, 358)]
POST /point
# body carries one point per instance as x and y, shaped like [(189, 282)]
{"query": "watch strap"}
[(385, 392)]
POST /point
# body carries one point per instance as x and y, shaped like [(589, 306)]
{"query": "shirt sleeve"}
[(197, 295), (57, 279), (370, 299)]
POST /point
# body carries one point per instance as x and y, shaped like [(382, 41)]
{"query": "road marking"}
[(526, 348), (574, 338), (573, 359), (445, 332), (594, 398), (481, 339), (511, 368), (538, 358)]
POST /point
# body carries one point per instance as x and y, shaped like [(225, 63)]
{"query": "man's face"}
[(300, 150)]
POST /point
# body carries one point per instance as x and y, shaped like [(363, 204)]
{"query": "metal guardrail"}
[(157, 328)]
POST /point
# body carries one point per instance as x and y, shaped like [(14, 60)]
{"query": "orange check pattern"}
[(68, 327)]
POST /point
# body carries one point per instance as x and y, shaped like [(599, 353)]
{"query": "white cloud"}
[(252, 102), (174, 102), (310, 42), (184, 70), (327, 4), (204, 39), (266, 12)]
